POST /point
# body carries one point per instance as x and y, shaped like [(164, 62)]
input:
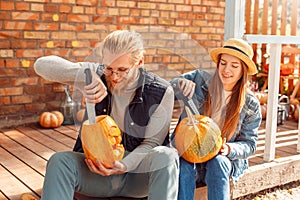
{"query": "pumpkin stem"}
[(192, 120)]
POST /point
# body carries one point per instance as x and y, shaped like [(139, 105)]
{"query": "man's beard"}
[(120, 87)]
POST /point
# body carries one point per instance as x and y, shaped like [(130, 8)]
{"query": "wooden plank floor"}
[(25, 150)]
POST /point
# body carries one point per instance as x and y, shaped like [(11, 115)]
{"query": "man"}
[(140, 102)]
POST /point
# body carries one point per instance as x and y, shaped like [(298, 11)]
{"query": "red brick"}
[(10, 34), (80, 44), (36, 35), (21, 99), (30, 53), (12, 63), (46, 26), (92, 27), (88, 35), (78, 18), (12, 72), (12, 109), (37, 7), (23, 44), (2, 63), (56, 44), (51, 8), (103, 19), (25, 16), (60, 52), (102, 11), (46, 17), (11, 91), (22, 6), (36, 89), (4, 5), (5, 15), (4, 82), (63, 35), (24, 81), (64, 9), (72, 27), (5, 101), (64, 1), (126, 20), (5, 44), (12, 25), (35, 107), (8, 53), (90, 10), (87, 2), (110, 3), (79, 53), (78, 10)]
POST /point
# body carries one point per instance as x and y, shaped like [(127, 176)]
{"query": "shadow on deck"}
[(25, 150)]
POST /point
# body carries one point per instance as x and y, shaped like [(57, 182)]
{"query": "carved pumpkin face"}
[(102, 141), (199, 142)]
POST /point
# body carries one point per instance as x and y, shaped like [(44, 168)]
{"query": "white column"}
[(234, 19), (273, 91)]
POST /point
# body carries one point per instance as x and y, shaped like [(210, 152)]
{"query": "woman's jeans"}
[(215, 173)]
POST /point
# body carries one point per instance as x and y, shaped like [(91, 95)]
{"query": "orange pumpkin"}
[(80, 115), (296, 112), (262, 97), (51, 119), (199, 141), (263, 109), (102, 141)]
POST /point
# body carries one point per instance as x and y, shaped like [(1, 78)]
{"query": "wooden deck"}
[(26, 149)]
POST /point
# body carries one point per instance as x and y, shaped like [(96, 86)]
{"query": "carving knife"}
[(90, 108)]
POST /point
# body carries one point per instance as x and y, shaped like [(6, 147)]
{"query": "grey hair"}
[(125, 42)]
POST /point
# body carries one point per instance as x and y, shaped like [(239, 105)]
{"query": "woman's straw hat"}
[(239, 48)]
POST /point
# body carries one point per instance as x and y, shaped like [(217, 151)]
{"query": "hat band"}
[(231, 47)]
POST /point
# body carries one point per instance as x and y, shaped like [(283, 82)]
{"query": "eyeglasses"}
[(122, 71)]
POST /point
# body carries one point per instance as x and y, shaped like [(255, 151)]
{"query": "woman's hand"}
[(225, 148), (187, 87), (96, 91), (99, 168)]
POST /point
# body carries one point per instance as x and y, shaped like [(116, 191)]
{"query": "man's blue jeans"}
[(215, 173)]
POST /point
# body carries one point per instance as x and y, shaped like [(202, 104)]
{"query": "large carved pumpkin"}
[(51, 119), (102, 141), (199, 141)]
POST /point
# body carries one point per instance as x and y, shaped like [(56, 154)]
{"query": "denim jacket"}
[(243, 142)]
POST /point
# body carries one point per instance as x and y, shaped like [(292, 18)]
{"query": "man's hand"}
[(187, 87), (118, 168), (96, 91)]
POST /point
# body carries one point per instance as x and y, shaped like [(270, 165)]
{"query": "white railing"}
[(275, 42)]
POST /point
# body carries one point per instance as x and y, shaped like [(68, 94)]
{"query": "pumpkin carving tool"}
[(192, 105), (90, 107)]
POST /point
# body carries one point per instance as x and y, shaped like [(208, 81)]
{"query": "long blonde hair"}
[(215, 99)]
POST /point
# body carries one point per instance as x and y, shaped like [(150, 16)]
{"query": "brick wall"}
[(177, 33)]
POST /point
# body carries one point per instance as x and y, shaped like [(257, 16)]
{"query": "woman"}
[(224, 98)]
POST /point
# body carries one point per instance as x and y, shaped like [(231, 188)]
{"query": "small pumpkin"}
[(296, 113), (198, 141), (263, 109), (51, 119), (102, 141), (80, 115), (262, 97)]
